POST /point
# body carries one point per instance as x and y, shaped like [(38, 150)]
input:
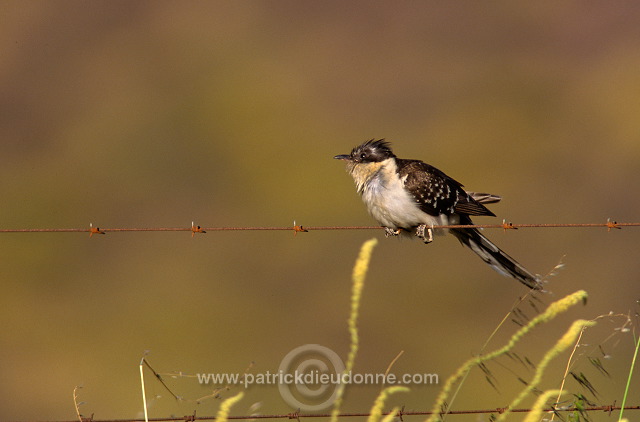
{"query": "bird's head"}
[(371, 151), (366, 160)]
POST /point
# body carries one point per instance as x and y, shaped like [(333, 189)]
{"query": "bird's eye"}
[(363, 156)]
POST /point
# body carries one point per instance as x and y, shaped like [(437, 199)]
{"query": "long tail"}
[(494, 256)]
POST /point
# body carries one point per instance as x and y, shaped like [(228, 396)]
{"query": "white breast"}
[(390, 204)]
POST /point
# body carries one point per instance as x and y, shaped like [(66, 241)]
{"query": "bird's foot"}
[(425, 233), (388, 232)]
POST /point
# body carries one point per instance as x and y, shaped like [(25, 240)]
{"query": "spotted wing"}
[(435, 192)]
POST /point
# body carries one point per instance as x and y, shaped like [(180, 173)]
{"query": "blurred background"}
[(157, 114)]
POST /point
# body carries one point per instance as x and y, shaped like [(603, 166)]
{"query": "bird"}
[(413, 197)]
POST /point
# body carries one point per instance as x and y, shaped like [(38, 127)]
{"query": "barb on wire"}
[(196, 229), (298, 228), (94, 230)]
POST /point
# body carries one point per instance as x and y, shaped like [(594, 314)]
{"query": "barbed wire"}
[(610, 224), (399, 414)]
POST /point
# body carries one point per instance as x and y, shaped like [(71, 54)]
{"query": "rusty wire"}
[(400, 414), (299, 228)]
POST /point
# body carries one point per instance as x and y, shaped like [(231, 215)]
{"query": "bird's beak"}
[(343, 157)]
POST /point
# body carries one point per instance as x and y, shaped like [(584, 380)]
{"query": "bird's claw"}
[(388, 232), (425, 233)]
